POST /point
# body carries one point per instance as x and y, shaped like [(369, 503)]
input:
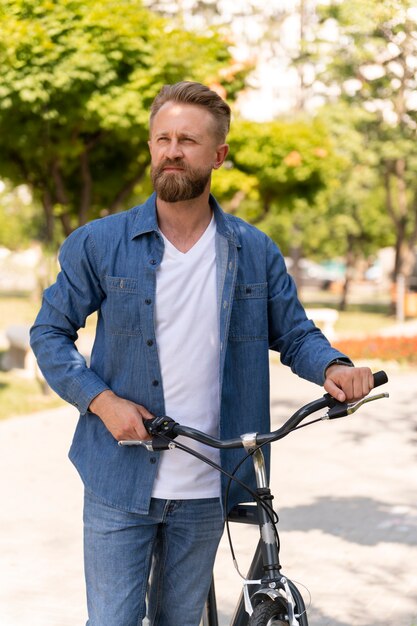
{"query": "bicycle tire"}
[(269, 613)]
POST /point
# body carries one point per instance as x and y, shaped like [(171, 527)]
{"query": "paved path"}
[(346, 490)]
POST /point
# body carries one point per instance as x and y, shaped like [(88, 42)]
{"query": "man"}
[(189, 301)]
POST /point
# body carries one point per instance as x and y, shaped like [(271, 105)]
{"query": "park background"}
[(323, 152)]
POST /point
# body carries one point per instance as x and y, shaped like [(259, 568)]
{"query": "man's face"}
[(184, 151)]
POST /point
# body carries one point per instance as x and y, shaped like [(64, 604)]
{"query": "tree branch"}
[(60, 191), (126, 190), (48, 207)]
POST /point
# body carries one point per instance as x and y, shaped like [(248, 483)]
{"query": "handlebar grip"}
[(340, 409), (380, 378)]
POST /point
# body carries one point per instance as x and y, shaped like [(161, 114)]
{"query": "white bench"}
[(325, 319), (19, 355)]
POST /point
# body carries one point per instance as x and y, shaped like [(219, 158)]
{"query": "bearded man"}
[(189, 302)]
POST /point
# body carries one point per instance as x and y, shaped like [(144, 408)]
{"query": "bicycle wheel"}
[(269, 613)]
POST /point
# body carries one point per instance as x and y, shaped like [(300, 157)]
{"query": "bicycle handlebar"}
[(163, 428)]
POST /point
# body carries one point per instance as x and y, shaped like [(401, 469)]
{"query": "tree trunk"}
[(65, 219), (125, 192), (296, 252), (350, 265), (397, 207), (48, 207), (86, 191), (402, 211)]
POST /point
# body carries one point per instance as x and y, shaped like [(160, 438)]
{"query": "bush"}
[(401, 349)]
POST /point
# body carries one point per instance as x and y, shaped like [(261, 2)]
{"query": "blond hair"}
[(187, 92)]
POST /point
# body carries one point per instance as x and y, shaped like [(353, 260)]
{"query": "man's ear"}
[(221, 154)]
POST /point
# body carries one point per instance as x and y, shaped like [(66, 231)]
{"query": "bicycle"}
[(274, 600)]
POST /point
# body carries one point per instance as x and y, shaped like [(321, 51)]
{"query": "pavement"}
[(346, 492)]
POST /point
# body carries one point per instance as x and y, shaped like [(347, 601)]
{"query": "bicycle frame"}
[(264, 572)]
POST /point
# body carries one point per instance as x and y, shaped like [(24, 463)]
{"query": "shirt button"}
[(155, 383), (148, 301), (230, 265), (225, 304), (149, 342), (152, 262), (152, 460)]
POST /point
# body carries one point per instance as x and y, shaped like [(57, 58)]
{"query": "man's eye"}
[(163, 139)]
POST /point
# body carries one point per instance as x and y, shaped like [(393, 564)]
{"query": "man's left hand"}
[(348, 384)]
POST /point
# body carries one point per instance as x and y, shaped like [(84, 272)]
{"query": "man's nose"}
[(173, 150)]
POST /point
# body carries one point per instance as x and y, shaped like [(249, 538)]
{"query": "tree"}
[(372, 62), (357, 225), (77, 80), (274, 178)]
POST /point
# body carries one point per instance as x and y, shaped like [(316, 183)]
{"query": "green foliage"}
[(275, 176), (290, 159), (77, 80), (372, 63), (356, 221)]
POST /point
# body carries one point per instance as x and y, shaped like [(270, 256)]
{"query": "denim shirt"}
[(110, 266)]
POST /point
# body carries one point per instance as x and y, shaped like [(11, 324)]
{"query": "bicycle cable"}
[(201, 457), (272, 514), (308, 606), (269, 510)]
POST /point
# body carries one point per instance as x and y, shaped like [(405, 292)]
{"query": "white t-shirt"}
[(187, 336)]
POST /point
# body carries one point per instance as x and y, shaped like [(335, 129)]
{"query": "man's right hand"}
[(124, 419)]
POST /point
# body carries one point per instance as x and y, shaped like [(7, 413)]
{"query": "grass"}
[(20, 396), (353, 322), (17, 309), (357, 319)]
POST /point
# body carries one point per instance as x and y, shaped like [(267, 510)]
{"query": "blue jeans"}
[(174, 546)]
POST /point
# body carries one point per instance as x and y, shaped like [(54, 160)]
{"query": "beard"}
[(179, 186)]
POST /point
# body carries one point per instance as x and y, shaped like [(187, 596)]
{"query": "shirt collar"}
[(146, 220)]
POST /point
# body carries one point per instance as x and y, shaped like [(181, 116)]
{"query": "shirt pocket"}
[(249, 318), (120, 309)]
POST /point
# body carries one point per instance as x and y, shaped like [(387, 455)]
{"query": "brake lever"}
[(152, 445), (145, 443), (341, 409), (157, 426), (354, 407)]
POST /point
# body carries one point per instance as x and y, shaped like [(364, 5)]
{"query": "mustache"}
[(178, 162)]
